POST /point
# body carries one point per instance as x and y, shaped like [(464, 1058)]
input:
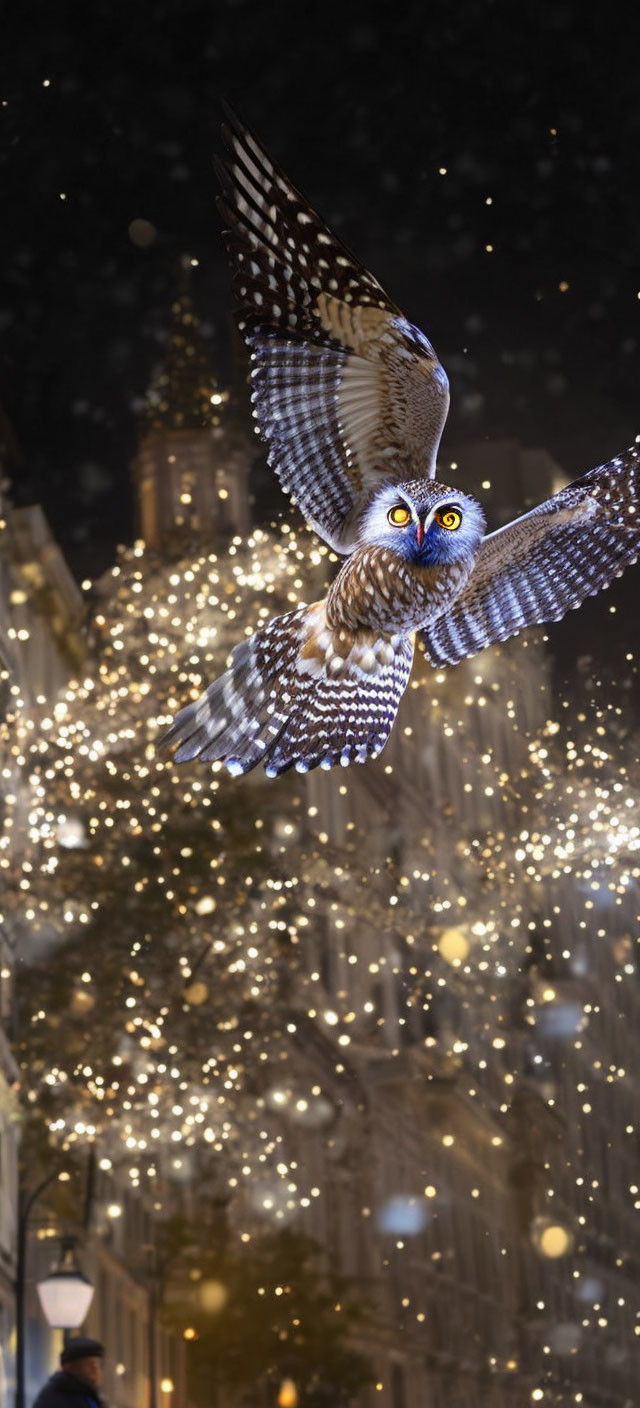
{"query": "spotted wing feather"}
[(347, 394), (281, 705), (546, 562)]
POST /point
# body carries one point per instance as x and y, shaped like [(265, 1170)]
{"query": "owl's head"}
[(424, 522)]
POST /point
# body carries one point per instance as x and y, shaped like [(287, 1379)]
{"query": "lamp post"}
[(66, 1291), (25, 1205)]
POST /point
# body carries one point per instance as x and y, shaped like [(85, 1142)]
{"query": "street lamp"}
[(66, 1293), (26, 1202)]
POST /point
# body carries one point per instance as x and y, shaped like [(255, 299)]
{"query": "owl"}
[(351, 400)]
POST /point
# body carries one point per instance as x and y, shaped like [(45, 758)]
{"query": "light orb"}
[(196, 994), (213, 1296), (552, 1239), (453, 946)]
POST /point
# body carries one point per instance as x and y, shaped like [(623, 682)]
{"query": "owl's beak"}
[(420, 533)]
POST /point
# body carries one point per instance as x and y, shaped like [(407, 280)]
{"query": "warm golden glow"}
[(213, 1296), (454, 946), (196, 993), (553, 1239), (288, 1394)]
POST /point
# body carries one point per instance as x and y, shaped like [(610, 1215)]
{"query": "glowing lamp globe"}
[(454, 946), (65, 1294), (287, 1394)]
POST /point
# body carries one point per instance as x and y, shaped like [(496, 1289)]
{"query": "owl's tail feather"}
[(296, 695)]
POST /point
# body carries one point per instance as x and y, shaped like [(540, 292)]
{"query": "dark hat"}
[(81, 1348)]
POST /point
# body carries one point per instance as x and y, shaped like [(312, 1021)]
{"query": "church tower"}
[(192, 468)]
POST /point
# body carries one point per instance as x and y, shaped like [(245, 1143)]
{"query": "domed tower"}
[(192, 468)]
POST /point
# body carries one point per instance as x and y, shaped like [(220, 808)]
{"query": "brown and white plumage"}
[(348, 394), (545, 563), (351, 400), (299, 694)]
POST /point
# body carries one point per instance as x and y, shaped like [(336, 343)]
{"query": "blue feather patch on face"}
[(454, 528), (438, 548), (423, 499)]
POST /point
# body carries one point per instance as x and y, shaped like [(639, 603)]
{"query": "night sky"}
[(424, 137)]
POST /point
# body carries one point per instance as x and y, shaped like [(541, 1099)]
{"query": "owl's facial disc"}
[(422, 522)]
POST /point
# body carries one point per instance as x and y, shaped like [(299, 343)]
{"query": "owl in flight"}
[(351, 400)]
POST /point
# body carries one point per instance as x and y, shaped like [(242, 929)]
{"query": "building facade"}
[(191, 471), (42, 646)]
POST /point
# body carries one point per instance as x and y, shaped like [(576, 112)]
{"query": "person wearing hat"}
[(77, 1382)]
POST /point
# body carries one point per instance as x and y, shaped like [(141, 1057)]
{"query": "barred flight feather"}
[(545, 563), (347, 394), (294, 391), (283, 708)]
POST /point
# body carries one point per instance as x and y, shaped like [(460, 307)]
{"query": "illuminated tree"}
[(153, 908), (161, 912)]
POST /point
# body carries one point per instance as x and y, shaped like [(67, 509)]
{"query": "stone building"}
[(40, 617), (41, 606), (42, 645), (191, 471)]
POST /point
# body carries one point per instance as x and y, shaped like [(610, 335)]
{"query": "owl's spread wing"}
[(348, 394), (535, 569), (298, 694)]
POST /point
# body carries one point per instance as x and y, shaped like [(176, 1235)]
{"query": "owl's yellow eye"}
[(399, 516), (449, 518)]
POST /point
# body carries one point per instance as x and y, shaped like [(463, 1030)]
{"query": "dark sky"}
[(534, 108)]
